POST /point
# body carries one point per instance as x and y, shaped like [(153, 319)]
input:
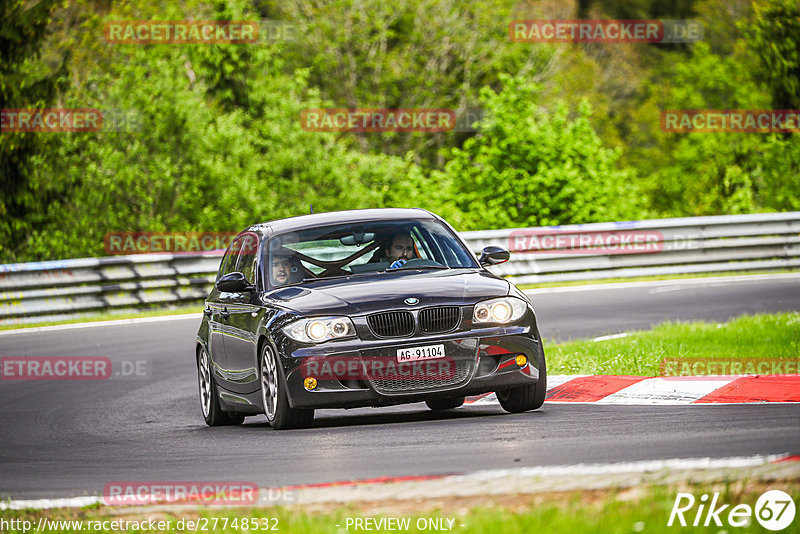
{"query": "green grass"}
[(651, 278), (644, 509), (766, 336), (110, 316)]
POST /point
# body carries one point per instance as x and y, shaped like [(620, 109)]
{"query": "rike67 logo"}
[(774, 510)]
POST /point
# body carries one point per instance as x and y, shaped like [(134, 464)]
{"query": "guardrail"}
[(765, 241), (55, 290)]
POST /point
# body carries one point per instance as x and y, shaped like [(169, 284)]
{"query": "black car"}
[(362, 308)]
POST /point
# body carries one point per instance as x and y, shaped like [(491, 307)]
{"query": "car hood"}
[(368, 293)]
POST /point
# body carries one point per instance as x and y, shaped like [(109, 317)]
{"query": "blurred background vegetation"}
[(215, 143)]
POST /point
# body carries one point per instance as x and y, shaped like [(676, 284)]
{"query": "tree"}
[(25, 82), (775, 37), (720, 173), (195, 159), (533, 167), (412, 54)]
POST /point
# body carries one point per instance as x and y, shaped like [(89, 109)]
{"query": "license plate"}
[(428, 352)]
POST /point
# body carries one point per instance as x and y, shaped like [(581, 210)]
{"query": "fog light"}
[(521, 360), (310, 383)]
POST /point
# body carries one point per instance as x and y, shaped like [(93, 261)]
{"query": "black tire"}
[(526, 398), (209, 395), (279, 414), (445, 404)]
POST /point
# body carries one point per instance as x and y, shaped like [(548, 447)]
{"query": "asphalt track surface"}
[(63, 438)]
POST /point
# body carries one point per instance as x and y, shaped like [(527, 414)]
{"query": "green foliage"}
[(532, 167), (25, 82), (213, 139), (411, 54), (608, 507), (716, 173), (185, 163), (775, 37)]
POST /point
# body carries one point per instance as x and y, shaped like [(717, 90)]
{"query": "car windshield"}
[(361, 248)]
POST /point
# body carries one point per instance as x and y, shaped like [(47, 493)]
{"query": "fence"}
[(55, 290)]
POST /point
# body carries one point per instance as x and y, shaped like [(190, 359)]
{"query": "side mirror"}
[(493, 256), (235, 282)]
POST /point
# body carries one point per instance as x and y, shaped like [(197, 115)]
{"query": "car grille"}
[(464, 369), (391, 324), (438, 320)]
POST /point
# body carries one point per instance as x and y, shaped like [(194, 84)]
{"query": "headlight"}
[(503, 310), (319, 329)]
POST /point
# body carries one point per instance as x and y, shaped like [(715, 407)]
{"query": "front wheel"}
[(209, 397), (525, 398), (273, 395)]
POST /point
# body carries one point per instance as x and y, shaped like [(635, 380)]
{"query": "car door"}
[(241, 338), (218, 315)]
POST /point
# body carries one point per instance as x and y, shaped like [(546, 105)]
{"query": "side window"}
[(247, 257), (455, 254), (229, 259), (421, 244)]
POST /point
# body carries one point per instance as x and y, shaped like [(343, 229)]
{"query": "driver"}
[(284, 269), (400, 249), (397, 249)]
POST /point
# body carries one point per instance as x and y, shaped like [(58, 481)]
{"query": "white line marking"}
[(708, 280), (626, 467), (665, 289), (490, 399), (660, 391), (115, 322), (646, 466), (68, 502), (554, 381), (611, 336)]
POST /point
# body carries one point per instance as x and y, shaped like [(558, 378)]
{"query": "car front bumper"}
[(475, 362)]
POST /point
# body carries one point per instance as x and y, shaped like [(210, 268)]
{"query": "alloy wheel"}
[(204, 382), (269, 383)]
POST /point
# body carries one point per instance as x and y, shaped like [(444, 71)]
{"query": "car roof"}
[(302, 222)]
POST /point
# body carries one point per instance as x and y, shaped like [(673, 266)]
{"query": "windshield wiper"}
[(334, 277), (317, 279), (413, 267)]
